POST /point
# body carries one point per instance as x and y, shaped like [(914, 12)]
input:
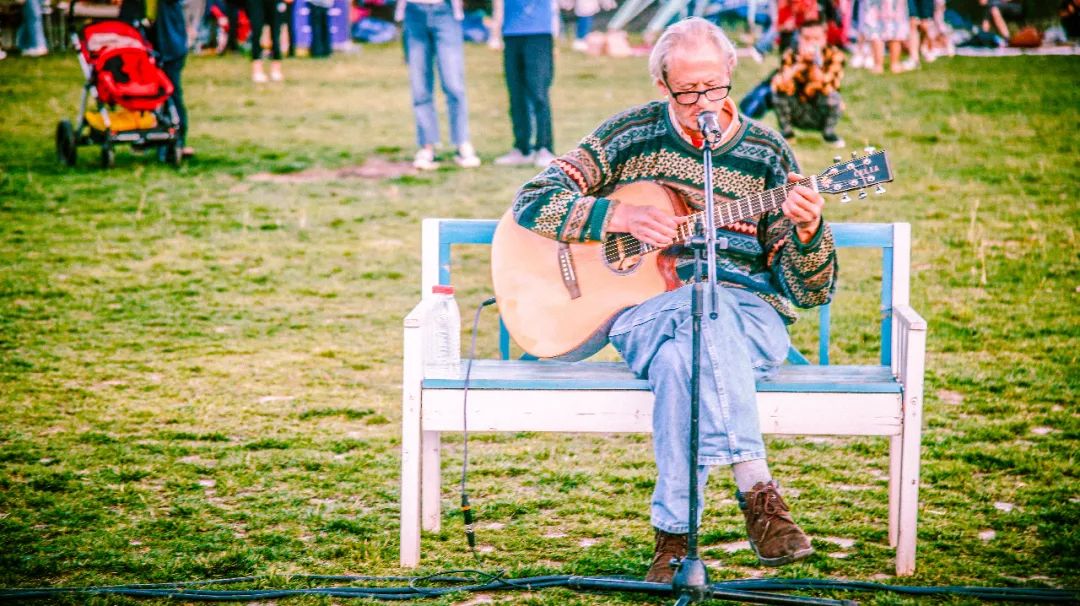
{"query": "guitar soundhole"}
[(615, 252)]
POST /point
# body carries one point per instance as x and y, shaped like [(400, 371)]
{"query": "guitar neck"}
[(725, 214)]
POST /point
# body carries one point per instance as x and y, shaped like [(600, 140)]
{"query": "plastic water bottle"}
[(442, 358)]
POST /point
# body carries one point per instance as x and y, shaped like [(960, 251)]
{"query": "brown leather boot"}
[(668, 547), (774, 535)]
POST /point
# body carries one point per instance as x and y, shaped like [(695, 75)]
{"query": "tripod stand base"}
[(691, 582)]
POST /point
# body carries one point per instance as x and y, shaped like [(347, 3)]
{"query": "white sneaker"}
[(259, 77), (37, 51), (514, 158), (466, 156), (909, 64), (3, 55), (425, 159), (579, 45), (542, 158), (276, 76)]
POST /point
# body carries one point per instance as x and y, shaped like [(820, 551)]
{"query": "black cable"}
[(466, 509), (458, 581)]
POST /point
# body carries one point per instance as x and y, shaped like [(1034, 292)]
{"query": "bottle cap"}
[(442, 289)]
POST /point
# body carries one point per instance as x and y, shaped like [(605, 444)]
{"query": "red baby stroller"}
[(131, 94)]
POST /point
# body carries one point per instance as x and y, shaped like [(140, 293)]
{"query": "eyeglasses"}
[(690, 97)]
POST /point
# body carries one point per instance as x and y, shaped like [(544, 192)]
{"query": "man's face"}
[(812, 41), (696, 66)]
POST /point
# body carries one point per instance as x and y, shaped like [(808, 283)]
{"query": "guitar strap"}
[(566, 270)]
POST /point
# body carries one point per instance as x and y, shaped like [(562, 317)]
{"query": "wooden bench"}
[(520, 395)]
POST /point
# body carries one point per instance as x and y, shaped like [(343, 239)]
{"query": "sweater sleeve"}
[(561, 203), (804, 273)]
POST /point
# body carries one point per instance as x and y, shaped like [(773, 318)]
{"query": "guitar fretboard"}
[(626, 245)]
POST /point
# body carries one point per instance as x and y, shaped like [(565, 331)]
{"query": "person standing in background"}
[(432, 34), (527, 38), (194, 12), (319, 22), (263, 12), (30, 38), (170, 37), (584, 12), (881, 22)]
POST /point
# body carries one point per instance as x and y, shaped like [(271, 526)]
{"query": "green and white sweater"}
[(567, 202)]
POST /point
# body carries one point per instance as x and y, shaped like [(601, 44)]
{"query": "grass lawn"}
[(200, 370)]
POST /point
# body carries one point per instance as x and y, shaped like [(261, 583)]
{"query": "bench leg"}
[(895, 449), (431, 481), (909, 485), (410, 494)]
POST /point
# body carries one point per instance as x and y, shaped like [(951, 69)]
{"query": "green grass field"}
[(200, 371)]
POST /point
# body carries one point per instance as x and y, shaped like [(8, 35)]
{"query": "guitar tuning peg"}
[(844, 199), (836, 159), (869, 149), (862, 194), (880, 190)]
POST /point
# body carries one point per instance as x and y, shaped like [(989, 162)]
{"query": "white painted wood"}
[(895, 446), (901, 278), (412, 374), (426, 413), (913, 366), (631, 411), (431, 481)]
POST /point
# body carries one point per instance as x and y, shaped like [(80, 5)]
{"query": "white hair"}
[(682, 33)]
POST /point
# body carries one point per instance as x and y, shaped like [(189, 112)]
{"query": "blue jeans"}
[(747, 341), (31, 34), (432, 34)]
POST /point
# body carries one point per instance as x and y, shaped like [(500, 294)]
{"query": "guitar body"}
[(535, 301), (559, 300)]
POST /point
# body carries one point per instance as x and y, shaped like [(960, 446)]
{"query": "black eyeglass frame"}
[(697, 93)]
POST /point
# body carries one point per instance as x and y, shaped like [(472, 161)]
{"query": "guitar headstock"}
[(857, 173)]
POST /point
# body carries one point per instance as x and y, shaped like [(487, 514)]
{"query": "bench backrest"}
[(894, 240)]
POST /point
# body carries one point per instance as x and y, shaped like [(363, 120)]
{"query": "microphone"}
[(709, 126)]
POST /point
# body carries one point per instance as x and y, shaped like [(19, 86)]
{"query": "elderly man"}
[(774, 263)]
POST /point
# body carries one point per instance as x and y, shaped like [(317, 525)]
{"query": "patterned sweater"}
[(567, 202)]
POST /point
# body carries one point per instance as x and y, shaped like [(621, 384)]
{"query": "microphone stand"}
[(691, 581)]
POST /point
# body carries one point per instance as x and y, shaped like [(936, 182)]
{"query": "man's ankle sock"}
[(749, 473)]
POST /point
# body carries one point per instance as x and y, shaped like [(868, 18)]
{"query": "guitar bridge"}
[(566, 270)]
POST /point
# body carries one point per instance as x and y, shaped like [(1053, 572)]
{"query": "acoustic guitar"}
[(558, 300)]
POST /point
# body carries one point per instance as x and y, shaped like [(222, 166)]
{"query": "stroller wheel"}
[(174, 154), (108, 156), (66, 148)]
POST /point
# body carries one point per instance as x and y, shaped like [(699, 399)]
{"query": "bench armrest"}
[(910, 346)]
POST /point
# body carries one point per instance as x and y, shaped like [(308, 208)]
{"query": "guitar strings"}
[(628, 243)]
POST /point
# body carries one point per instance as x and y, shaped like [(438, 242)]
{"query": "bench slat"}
[(548, 375)]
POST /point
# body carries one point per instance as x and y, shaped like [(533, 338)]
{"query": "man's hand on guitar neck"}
[(646, 223), (803, 207)]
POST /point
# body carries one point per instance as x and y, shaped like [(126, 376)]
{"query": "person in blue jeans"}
[(31, 35), (433, 36), (169, 35), (527, 28)]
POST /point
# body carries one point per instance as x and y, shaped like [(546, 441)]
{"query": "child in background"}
[(806, 89)]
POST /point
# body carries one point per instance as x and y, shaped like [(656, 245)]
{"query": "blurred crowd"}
[(814, 40)]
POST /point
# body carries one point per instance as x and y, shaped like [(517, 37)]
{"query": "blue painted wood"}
[(886, 305), (467, 231), (846, 235), (504, 340), (824, 328), (548, 375), (795, 356), (865, 235)]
